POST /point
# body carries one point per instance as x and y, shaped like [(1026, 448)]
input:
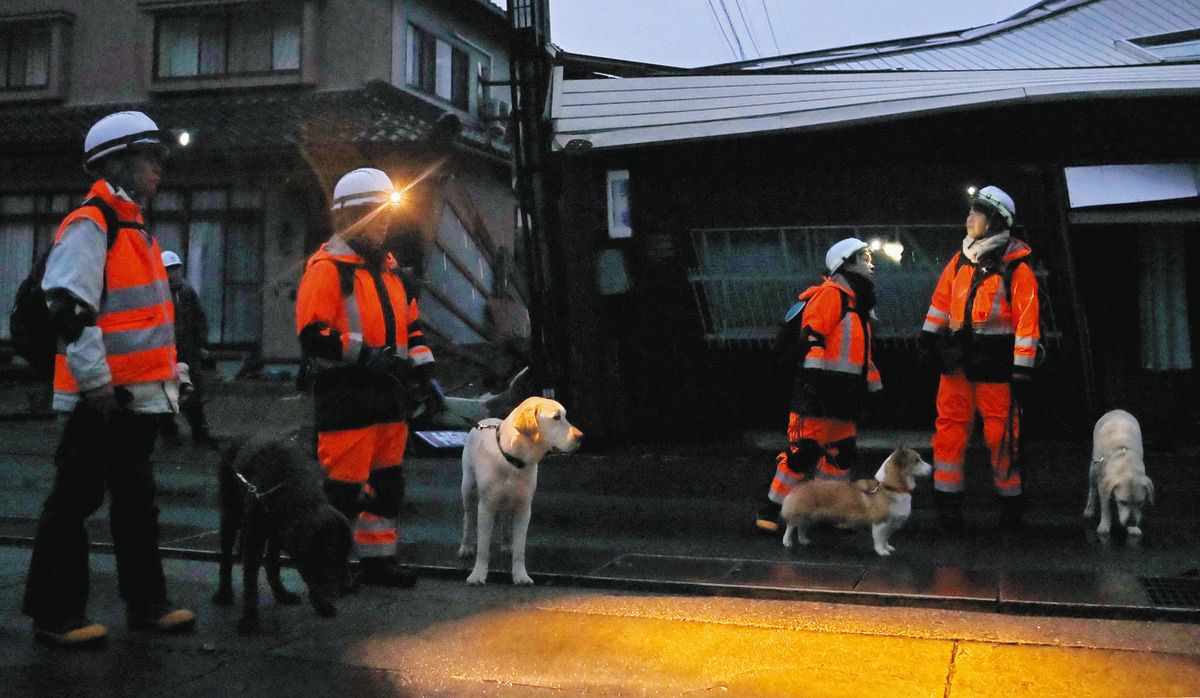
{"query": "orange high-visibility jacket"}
[(136, 317), (335, 323), (999, 337), (838, 369)]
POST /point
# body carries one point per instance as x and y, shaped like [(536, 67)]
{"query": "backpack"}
[(1006, 272), (29, 323), (791, 343)]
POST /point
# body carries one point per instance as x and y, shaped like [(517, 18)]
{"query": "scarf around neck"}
[(985, 248)]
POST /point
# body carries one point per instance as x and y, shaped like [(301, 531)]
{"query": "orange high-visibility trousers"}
[(349, 456), (828, 434), (957, 401)]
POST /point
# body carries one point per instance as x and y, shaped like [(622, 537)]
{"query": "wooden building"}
[(696, 205)]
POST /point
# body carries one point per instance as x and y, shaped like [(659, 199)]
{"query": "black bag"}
[(29, 323)]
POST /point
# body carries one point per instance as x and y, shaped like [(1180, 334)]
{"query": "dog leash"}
[(253, 490), (512, 460)]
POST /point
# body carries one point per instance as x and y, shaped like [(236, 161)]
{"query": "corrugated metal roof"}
[(1052, 34), (614, 113)]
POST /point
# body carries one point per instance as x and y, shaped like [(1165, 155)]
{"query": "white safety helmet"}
[(841, 251), (362, 187), (116, 132), (170, 259), (996, 198)]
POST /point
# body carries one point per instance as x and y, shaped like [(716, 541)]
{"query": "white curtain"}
[(1165, 334), (16, 248)]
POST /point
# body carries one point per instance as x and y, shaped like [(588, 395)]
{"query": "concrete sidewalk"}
[(445, 638), (670, 518)]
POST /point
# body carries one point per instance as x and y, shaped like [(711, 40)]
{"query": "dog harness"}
[(512, 460), (1115, 451), (253, 490)]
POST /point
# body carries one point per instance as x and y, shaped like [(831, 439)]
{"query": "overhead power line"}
[(721, 28), (749, 30), (733, 30), (771, 26)]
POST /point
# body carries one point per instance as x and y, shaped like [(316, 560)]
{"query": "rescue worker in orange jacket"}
[(982, 324), (115, 376), (836, 374), (360, 332)]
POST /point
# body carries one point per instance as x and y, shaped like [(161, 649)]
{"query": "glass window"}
[(245, 39), (221, 232), (27, 226), (24, 56), (438, 68)]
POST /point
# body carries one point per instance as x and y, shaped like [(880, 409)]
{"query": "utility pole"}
[(531, 67)]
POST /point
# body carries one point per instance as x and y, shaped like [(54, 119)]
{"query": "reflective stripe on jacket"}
[(376, 311), (1003, 322), (838, 370), (135, 317)]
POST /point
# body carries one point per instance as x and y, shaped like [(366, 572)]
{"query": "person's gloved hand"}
[(102, 400), (383, 361), (434, 398)]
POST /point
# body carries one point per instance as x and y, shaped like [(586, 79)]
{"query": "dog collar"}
[(512, 460)]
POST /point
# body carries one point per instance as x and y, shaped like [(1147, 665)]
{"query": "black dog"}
[(270, 490)]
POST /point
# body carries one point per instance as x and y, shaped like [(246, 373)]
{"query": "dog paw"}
[(522, 580), (890, 548), (1134, 531), (1103, 529), (883, 552), (223, 597), (466, 551), (477, 580), (787, 542), (1089, 512), (287, 598)]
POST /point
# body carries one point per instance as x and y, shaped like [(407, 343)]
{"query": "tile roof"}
[(377, 114)]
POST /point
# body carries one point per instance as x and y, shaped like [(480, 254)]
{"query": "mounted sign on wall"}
[(618, 204)]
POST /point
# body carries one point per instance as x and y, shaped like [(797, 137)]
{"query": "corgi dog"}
[(884, 503)]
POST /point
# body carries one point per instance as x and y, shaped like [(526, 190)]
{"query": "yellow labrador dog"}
[(1118, 472), (500, 463)]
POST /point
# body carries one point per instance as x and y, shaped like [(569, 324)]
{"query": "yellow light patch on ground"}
[(1011, 670), (568, 651)]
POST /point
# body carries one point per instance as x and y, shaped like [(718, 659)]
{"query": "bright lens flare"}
[(184, 138), (876, 244), (894, 250), (971, 191), (396, 197)]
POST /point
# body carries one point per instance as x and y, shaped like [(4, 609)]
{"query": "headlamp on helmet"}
[(365, 186)]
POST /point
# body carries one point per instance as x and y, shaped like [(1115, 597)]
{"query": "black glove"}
[(429, 392), (383, 361)]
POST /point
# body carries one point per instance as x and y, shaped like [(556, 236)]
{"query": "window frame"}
[(255, 218), (467, 66), (57, 26), (304, 74), (228, 15), (43, 220)]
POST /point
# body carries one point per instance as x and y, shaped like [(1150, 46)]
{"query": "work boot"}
[(1012, 511), (949, 509), (767, 518), (386, 572), (162, 617), (71, 632)]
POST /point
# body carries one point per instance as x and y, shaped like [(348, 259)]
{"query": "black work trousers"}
[(95, 455)]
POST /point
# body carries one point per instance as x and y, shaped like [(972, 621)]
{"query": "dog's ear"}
[(1149, 488), (526, 422)]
